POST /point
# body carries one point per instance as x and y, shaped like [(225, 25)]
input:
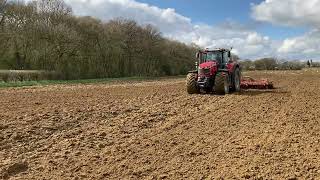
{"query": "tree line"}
[(45, 35), (274, 64)]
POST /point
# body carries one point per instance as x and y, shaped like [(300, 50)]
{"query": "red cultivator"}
[(250, 83)]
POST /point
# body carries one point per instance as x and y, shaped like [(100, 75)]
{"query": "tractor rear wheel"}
[(192, 87), (237, 80), (222, 84)]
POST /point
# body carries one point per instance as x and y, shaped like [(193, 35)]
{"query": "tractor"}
[(216, 72)]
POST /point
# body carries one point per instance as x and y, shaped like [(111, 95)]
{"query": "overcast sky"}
[(255, 28)]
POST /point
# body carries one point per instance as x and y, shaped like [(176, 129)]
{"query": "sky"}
[(254, 28)]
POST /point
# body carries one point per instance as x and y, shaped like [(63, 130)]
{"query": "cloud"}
[(293, 13), (306, 45), (166, 19), (246, 42), (288, 12)]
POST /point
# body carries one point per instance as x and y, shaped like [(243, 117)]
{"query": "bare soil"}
[(155, 130)]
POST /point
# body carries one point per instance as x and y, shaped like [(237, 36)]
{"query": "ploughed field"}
[(155, 130)]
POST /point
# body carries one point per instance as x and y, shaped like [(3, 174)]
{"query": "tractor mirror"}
[(229, 54), (198, 55)]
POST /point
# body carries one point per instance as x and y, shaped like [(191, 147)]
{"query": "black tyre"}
[(192, 87), (222, 84), (237, 80)]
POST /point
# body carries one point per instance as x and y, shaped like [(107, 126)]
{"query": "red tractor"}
[(216, 72)]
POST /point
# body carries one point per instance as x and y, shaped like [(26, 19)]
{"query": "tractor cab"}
[(220, 57)]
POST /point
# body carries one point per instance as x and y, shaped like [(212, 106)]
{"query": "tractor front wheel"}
[(222, 84), (192, 87)]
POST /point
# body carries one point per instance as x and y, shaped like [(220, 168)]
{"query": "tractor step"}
[(250, 83)]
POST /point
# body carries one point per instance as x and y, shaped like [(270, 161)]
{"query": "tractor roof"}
[(217, 49)]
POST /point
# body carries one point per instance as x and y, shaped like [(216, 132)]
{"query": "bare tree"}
[(3, 4)]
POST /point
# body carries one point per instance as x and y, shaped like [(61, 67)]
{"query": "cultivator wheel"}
[(250, 83)]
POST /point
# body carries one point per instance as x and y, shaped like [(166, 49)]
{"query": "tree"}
[(265, 64), (247, 65), (3, 4), (45, 35)]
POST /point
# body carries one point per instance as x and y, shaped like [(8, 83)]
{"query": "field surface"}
[(155, 130)]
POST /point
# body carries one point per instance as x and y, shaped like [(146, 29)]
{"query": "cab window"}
[(225, 57)]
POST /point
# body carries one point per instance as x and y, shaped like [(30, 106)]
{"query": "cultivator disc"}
[(250, 83)]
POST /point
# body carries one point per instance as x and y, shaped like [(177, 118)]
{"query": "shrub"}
[(24, 75)]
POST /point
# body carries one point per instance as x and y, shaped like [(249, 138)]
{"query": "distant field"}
[(18, 76), (81, 81), (19, 71), (42, 81)]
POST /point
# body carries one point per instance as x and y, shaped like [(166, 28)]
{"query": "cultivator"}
[(250, 83)]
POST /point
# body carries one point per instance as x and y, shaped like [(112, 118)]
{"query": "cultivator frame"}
[(250, 83)]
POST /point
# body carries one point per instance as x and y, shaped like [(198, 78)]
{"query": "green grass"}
[(81, 81)]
